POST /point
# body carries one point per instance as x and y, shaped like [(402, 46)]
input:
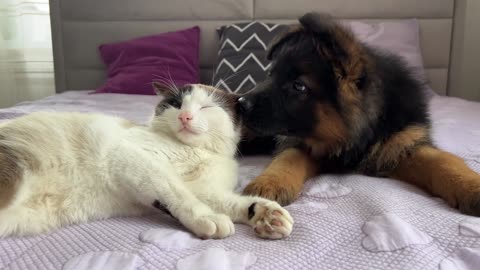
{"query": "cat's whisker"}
[(165, 82), (214, 68), (220, 136), (233, 75), (227, 77), (171, 80)]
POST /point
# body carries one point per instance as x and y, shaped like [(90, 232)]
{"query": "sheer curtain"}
[(26, 65), (7, 82)]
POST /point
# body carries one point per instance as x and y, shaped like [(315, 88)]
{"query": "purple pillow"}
[(133, 65)]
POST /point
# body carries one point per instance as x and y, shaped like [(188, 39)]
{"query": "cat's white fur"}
[(80, 167)]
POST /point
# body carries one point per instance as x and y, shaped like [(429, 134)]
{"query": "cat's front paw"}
[(270, 220), (214, 226)]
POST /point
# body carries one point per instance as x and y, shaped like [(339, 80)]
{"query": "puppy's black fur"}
[(337, 105), (374, 94)]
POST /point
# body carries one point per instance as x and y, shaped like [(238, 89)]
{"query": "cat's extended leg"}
[(153, 180), (268, 218), (215, 188)]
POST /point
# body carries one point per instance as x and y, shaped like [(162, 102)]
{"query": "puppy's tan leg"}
[(444, 175), (283, 179)]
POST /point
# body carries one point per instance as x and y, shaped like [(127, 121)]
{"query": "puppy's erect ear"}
[(328, 30), (279, 40), (320, 23), (337, 43), (161, 89)]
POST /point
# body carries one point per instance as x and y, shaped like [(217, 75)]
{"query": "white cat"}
[(65, 168)]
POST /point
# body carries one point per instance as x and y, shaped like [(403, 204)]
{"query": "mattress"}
[(341, 222)]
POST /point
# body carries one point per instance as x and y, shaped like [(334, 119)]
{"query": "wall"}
[(25, 51), (26, 66), (464, 79)]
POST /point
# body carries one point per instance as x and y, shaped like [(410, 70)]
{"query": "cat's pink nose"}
[(185, 117)]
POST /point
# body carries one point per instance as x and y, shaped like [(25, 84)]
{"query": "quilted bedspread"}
[(341, 222)]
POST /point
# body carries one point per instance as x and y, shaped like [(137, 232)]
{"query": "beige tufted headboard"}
[(78, 27)]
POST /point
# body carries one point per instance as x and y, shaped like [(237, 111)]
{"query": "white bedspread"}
[(341, 222)]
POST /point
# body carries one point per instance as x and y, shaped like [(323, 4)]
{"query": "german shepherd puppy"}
[(340, 106)]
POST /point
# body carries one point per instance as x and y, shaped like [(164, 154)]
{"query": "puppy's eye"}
[(299, 86)]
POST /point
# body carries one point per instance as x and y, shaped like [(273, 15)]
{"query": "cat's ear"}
[(160, 89)]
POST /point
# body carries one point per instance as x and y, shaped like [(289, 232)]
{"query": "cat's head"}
[(199, 115)]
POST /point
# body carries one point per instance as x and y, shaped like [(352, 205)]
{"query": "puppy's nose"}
[(185, 117), (244, 104)]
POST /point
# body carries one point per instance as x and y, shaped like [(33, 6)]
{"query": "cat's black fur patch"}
[(173, 99), (251, 210), (161, 207)]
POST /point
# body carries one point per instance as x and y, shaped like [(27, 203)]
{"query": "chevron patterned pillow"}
[(241, 61)]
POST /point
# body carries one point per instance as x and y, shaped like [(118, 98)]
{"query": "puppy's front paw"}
[(214, 226), (463, 193), (270, 220), (468, 199), (471, 206), (273, 188)]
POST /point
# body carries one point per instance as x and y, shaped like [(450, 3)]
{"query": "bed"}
[(341, 222)]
